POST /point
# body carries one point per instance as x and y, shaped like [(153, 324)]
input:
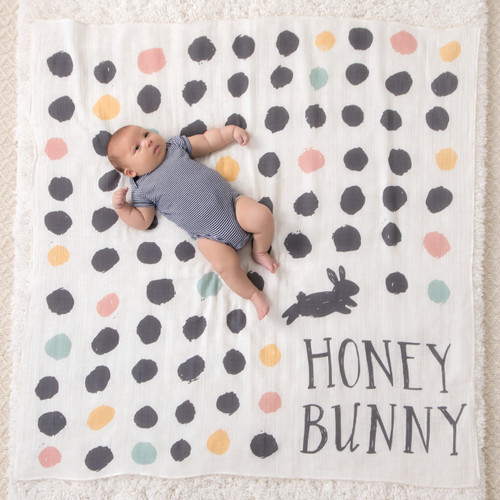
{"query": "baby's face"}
[(140, 150)]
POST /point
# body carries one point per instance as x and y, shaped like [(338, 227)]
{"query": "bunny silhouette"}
[(322, 304)]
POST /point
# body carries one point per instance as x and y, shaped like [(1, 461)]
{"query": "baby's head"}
[(136, 151)]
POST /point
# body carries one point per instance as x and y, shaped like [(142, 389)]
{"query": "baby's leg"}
[(226, 264), (256, 218)]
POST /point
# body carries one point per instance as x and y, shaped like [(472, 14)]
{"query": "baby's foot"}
[(265, 259), (260, 303)]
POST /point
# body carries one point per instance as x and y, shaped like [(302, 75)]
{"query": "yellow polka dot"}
[(270, 355), (228, 167), (446, 159), (58, 256), (100, 417), (325, 40), (218, 442), (450, 51), (106, 108)]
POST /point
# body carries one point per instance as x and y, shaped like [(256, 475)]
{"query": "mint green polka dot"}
[(209, 284), (144, 453), (58, 347), (318, 77), (438, 291)]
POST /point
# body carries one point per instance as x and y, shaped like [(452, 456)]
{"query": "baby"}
[(164, 176)]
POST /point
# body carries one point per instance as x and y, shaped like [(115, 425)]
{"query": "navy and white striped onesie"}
[(197, 198)]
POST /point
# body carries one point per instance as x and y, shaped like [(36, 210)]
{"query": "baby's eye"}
[(136, 148)]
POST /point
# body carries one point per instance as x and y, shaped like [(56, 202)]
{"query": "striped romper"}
[(193, 196)]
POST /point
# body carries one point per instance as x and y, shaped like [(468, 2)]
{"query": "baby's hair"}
[(114, 159)]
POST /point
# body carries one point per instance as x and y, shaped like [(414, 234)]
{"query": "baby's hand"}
[(119, 198), (241, 136)]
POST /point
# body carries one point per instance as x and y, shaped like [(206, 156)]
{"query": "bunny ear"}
[(342, 273), (332, 276)]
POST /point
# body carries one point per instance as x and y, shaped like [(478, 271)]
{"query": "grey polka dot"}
[(149, 253), (180, 450), (276, 119), (105, 341), (394, 197), (51, 423), (391, 120), (352, 200), (62, 109), (399, 83), (194, 327), (281, 77), (60, 64), (269, 164), (357, 73), (194, 128), (97, 380), (144, 370), (109, 181), (98, 458), (194, 91), (103, 260), (399, 161), (103, 219), (315, 116), (149, 99), (353, 115), (355, 159), (238, 84), (201, 49), (236, 320), (234, 362), (146, 417), (60, 301), (346, 239), (47, 388), (256, 279), (191, 369), (243, 46), (306, 204), (58, 222), (263, 445), (396, 283), (185, 251), (445, 84), (437, 119), (360, 38), (438, 199), (391, 234), (298, 245), (100, 142), (105, 71), (160, 291), (287, 43), (228, 403), (149, 329), (185, 412), (238, 120), (60, 188)]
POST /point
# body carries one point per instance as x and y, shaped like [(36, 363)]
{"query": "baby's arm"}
[(136, 217), (217, 138)]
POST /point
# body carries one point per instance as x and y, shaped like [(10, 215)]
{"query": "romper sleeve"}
[(180, 141), (138, 198)]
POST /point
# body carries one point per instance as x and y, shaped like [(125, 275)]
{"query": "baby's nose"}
[(147, 142)]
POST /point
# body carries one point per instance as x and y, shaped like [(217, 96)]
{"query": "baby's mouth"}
[(156, 150)]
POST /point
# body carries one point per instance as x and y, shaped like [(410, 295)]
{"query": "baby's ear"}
[(129, 173)]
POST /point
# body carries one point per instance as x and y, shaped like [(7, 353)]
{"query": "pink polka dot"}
[(56, 148), (404, 43), (49, 457), (151, 60), (436, 244), (311, 160), (270, 402), (107, 305)]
